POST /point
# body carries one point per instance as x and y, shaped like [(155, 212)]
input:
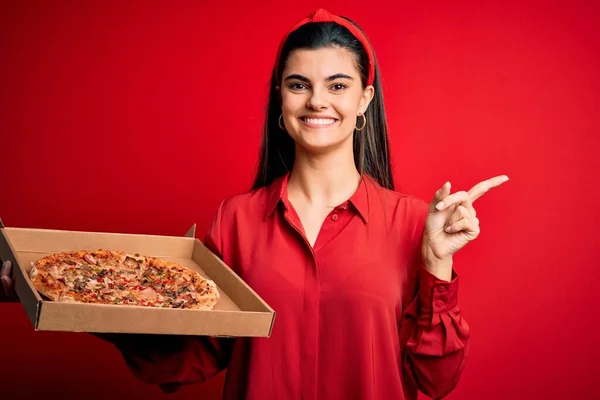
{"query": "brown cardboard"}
[(239, 312)]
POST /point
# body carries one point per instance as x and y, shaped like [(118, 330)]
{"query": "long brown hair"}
[(371, 145)]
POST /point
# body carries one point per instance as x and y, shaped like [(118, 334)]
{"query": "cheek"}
[(347, 107), (347, 102), (292, 104)]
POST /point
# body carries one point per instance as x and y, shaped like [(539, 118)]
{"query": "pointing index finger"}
[(483, 187)]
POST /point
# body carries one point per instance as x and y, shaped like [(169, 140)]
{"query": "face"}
[(322, 96)]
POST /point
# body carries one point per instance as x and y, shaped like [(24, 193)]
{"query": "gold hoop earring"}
[(364, 123), (279, 123)]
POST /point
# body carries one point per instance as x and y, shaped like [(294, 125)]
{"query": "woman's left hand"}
[(452, 222)]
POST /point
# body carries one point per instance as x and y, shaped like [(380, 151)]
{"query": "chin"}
[(321, 140), (317, 149), (310, 145)]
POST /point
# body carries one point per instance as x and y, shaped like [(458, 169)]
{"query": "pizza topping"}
[(86, 267), (149, 292), (90, 258), (187, 297), (79, 285), (130, 262)]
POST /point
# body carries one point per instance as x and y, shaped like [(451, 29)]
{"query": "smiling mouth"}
[(318, 122)]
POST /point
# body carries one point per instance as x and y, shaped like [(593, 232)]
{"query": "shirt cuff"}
[(437, 295)]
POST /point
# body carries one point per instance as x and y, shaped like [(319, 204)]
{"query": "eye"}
[(297, 86), (339, 86)]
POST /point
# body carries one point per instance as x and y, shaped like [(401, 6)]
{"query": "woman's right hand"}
[(8, 282)]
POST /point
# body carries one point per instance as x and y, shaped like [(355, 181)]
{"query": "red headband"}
[(322, 15)]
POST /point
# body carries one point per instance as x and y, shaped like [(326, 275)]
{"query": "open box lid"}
[(240, 312)]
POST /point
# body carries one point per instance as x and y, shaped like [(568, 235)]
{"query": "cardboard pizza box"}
[(239, 312)]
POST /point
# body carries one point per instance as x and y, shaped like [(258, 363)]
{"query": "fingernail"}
[(440, 205)]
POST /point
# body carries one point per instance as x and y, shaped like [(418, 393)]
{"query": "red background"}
[(140, 117)]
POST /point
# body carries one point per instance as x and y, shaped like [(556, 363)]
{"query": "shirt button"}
[(344, 207), (334, 217), (441, 289), (439, 303)]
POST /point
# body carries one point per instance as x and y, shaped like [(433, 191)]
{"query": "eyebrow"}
[(329, 78)]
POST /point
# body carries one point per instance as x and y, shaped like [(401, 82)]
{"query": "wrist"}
[(441, 269)]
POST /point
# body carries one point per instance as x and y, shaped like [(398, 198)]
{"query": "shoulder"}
[(237, 212), (247, 203), (397, 207), (392, 199)]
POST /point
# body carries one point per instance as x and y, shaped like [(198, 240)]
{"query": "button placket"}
[(310, 343)]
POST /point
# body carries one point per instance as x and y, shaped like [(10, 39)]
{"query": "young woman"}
[(360, 276)]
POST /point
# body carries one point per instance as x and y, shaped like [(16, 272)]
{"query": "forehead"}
[(321, 62)]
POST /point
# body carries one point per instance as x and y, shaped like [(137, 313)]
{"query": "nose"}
[(317, 100)]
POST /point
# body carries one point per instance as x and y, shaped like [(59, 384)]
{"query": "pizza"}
[(118, 277)]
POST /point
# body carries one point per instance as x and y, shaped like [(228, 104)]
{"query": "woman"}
[(361, 277)]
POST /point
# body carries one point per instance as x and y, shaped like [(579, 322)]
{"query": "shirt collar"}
[(360, 198), (277, 191)]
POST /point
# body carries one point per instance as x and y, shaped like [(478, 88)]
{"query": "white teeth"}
[(320, 121)]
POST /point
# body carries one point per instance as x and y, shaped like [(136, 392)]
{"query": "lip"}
[(317, 116)]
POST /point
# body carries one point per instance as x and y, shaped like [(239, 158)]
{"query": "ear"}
[(365, 99)]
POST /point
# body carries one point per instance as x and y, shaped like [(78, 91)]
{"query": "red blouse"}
[(357, 315)]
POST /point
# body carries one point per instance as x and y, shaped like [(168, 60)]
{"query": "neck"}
[(323, 180)]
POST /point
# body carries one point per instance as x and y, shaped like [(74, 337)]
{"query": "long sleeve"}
[(171, 361), (434, 336)]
